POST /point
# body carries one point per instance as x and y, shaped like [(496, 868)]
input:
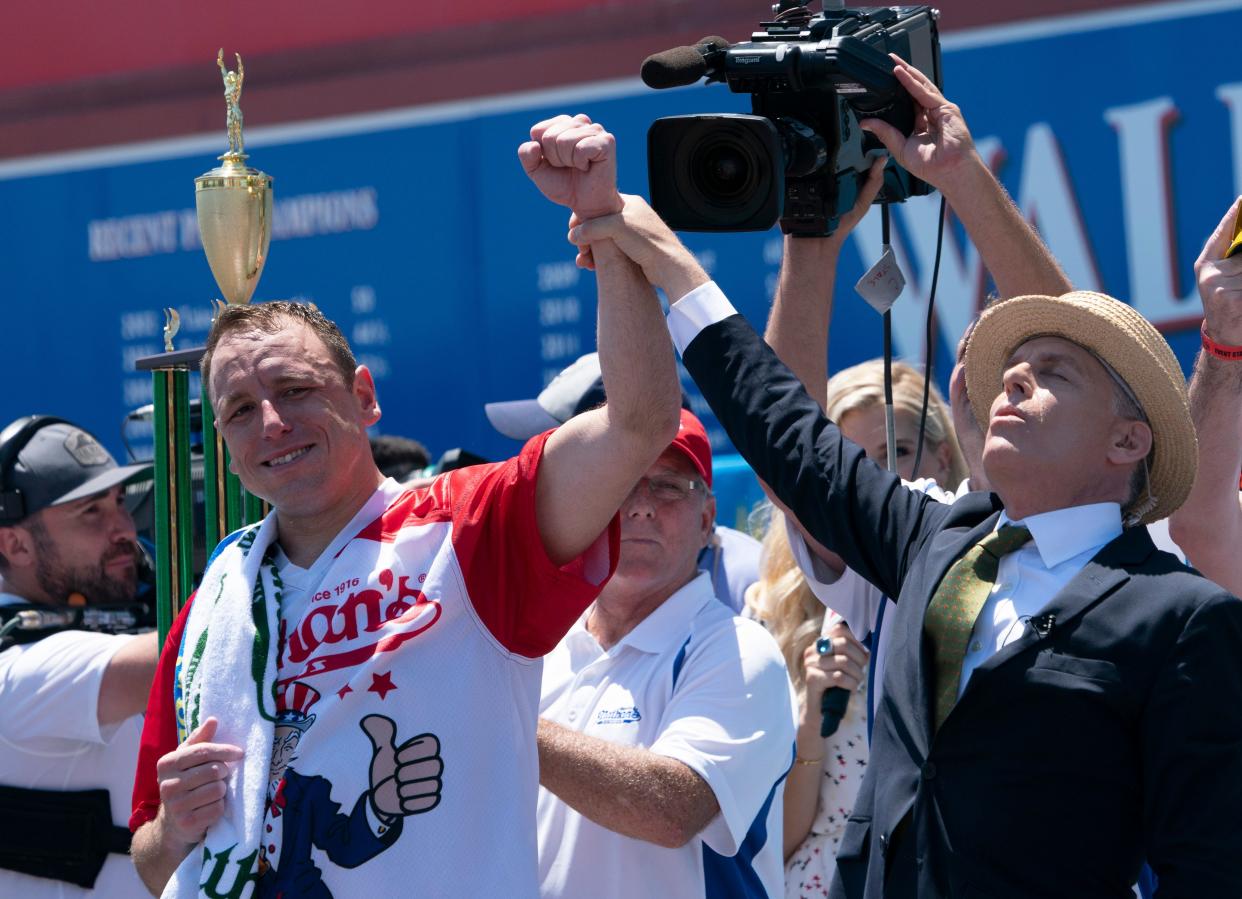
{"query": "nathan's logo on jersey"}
[(626, 714), (367, 622)]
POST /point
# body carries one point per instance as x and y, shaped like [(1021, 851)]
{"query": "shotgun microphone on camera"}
[(681, 66)]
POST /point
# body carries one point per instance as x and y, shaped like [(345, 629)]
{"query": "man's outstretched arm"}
[(592, 462), (844, 501), (1208, 526), (127, 680)]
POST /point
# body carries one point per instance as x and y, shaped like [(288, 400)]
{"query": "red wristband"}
[(1219, 350)]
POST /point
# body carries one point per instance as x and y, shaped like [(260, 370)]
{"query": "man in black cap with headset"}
[(72, 685)]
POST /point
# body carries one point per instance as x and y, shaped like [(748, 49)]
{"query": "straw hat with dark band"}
[(1119, 336)]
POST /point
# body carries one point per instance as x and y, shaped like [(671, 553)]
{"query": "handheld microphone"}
[(835, 700), (681, 66), (832, 706)]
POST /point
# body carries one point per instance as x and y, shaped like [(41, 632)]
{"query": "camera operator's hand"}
[(1220, 283), (573, 161), (940, 146), (639, 233), (942, 153)]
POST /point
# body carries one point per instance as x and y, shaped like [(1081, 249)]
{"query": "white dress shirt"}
[(1062, 543)]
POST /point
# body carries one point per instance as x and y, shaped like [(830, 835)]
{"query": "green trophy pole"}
[(236, 509), (253, 508), (174, 507)]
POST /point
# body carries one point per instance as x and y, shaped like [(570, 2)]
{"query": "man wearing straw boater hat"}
[(1062, 700)]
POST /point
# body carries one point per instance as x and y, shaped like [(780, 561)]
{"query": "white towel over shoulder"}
[(230, 634)]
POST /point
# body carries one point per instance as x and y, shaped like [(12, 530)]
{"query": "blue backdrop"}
[(419, 234)]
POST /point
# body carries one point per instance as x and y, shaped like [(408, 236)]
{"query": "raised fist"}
[(573, 161)]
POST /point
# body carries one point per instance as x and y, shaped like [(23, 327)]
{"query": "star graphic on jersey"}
[(381, 684), (344, 690)]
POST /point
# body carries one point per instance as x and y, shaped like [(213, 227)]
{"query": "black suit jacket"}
[(1072, 756)]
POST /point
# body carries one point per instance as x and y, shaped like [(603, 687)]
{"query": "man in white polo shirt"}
[(666, 722)]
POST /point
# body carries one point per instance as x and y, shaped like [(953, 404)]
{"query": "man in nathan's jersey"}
[(365, 661)]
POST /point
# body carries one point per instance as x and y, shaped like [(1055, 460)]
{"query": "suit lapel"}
[(1101, 576)]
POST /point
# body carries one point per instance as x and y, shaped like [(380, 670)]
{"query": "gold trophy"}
[(234, 205)]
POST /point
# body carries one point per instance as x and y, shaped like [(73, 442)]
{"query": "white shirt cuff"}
[(703, 306), (847, 594), (816, 570)]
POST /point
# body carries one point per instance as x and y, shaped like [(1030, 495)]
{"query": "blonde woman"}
[(855, 400), (827, 772)]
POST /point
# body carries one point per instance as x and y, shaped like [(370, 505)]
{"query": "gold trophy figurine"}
[(232, 96), (234, 205), (172, 324)]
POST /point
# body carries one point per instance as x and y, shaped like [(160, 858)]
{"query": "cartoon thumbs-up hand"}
[(405, 779)]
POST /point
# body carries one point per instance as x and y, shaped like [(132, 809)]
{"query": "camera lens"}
[(724, 171), (717, 172), (726, 168)]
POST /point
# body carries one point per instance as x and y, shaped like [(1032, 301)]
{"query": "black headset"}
[(13, 440)]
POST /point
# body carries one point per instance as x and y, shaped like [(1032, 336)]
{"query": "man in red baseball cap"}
[(664, 718), (731, 557)]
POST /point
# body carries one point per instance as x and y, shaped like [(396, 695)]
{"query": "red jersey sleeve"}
[(527, 602), (159, 727)]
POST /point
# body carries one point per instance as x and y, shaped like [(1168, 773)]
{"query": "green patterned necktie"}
[(956, 604)]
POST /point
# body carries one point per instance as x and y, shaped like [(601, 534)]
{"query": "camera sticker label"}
[(883, 283)]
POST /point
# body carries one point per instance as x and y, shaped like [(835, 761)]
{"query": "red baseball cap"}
[(691, 441)]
